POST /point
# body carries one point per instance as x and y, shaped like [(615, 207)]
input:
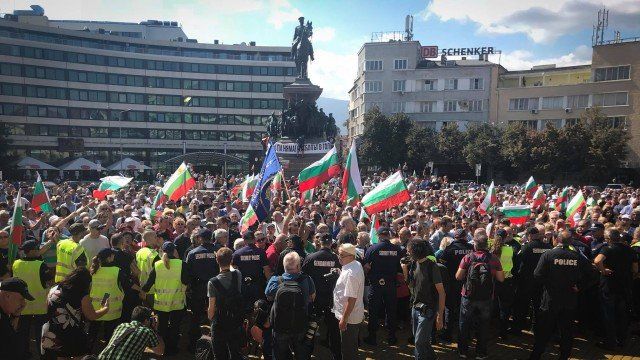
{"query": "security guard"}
[(451, 257), (382, 264), (37, 275), (170, 277), (527, 289), (321, 266), (202, 265), (562, 272), (69, 254), (147, 256), (254, 267)]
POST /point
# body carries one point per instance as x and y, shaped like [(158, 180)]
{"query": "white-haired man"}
[(348, 302)]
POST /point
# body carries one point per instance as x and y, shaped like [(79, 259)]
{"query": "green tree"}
[(401, 127), (5, 157), (376, 147), (421, 148), (482, 146), (450, 143), (545, 157), (607, 145), (515, 148)]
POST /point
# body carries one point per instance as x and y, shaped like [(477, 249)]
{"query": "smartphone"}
[(105, 298)]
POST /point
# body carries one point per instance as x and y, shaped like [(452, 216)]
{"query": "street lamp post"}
[(120, 133)]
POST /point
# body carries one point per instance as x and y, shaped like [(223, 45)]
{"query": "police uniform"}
[(317, 265), (451, 257), (202, 265), (251, 260), (561, 271), (527, 289), (384, 260)]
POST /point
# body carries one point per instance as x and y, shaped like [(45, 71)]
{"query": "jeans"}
[(548, 321), (382, 296), (422, 328), (349, 341), (284, 344), (480, 312), (226, 344), (333, 330), (169, 328), (505, 292), (452, 303), (527, 292), (615, 311)]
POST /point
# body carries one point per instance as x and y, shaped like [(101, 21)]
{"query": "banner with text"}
[(292, 148)]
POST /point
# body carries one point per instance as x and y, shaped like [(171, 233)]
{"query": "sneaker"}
[(369, 340)]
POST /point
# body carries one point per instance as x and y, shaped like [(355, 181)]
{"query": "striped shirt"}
[(134, 344)]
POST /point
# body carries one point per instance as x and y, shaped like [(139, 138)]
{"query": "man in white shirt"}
[(93, 242), (348, 305)]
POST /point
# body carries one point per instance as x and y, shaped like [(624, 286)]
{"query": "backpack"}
[(288, 313), (229, 305), (479, 282)]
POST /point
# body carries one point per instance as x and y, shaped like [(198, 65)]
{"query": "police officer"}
[(382, 264), (562, 271), (528, 290), (69, 253), (254, 267), (451, 257), (202, 265), (321, 266)]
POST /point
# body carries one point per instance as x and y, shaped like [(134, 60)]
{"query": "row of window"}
[(124, 45), (92, 59), (612, 73), (613, 121), (40, 72), (129, 133), (572, 101), (137, 116), (10, 89), (377, 65), (427, 85)]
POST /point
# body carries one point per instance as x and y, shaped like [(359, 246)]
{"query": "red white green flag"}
[(109, 184), (530, 187), (389, 193), (306, 196), (16, 232), (351, 181), (517, 214), (561, 201), (40, 200), (248, 219), (489, 199), (276, 185), (575, 205), (248, 187), (320, 171), (179, 183), (373, 233), (538, 198)]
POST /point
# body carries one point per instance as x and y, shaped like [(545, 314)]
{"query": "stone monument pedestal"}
[(302, 89)]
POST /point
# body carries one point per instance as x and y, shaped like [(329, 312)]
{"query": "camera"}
[(333, 274)]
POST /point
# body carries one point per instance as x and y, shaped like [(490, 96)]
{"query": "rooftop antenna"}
[(597, 37), (408, 28)]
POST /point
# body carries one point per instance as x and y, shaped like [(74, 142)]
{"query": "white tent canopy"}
[(29, 163), (81, 164), (128, 164)]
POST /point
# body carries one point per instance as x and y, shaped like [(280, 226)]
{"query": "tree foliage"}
[(450, 143), (421, 148)]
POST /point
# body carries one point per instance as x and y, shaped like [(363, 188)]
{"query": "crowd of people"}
[(107, 279)]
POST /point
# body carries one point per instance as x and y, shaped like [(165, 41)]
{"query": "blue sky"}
[(527, 32)]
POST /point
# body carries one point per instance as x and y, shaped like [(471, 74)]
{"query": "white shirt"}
[(350, 284), (92, 246)]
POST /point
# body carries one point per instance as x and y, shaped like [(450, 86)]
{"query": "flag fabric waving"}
[(387, 194), (530, 187), (320, 171), (259, 205), (40, 200), (538, 198), (575, 205), (373, 233), (307, 195), (351, 181), (489, 199), (16, 232), (179, 183), (517, 214), (249, 187), (110, 184), (561, 201)]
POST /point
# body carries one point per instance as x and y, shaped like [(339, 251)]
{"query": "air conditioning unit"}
[(534, 111), (567, 110)]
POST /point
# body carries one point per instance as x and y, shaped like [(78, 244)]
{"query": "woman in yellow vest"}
[(38, 277), (147, 256), (170, 278), (70, 255), (505, 289), (106, 279)]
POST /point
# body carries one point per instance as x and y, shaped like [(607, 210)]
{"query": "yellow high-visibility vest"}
[(170, 294), (67, 252), (29, 271), (105, 281), (144, 259), (506, 259)]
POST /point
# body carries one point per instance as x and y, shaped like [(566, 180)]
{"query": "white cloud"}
[(282, 12), (333, 72), (324, 34), (541, 20), (524, 59)]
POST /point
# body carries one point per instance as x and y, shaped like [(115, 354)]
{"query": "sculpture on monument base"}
[(301, 48)]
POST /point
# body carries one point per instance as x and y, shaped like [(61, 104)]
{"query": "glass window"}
[(430, 85), (398, 106), (610, 99), (400, 64), (427, 106), (612, 73), (399, 85), (372, 86), (475, 105), (552, 102), (373, 65), (523, 104), (476, 84), (451, 84), (450, 105)]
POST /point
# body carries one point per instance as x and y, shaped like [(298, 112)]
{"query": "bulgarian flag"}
[(16, 231), (110, 184), (179, 183), (276, 184), (248, 187), (389, 193), (307, 195), (159, 199), (538, 198), (530, 187), (320, 171), (373, 233), (561, 201), (517, 214), (575, 205), (351, 181), (489, 200), (248, 219), (40, 200)]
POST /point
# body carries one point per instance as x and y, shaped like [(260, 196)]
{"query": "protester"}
[(132, 339), (14, 295), (348, 301)]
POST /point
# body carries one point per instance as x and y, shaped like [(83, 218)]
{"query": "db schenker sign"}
[(429, 52)]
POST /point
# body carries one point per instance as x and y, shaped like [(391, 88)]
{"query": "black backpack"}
[(288, 313), (479, 283), (229, 305)]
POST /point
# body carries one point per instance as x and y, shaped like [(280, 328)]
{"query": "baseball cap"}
[(348, 248), (383, 230), (325, 238), (29, 245), (77, 228), (168, 247), (18, 286), (96, 224), (105, 253)]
